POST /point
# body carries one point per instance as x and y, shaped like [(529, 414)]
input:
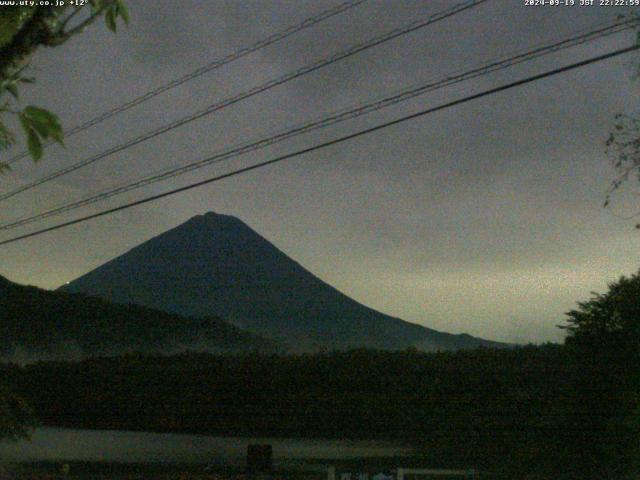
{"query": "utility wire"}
[(602, 30), (375, 41), (214, 65), (329, 143)]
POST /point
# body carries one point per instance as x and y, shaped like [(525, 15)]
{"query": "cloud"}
[(498, 200)]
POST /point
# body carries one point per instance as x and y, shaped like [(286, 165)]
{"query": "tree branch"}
[(66, 20), (64, 36), (26, 41)]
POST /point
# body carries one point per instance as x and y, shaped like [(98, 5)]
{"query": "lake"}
[(54, 444)]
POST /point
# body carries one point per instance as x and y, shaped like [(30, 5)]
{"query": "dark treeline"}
[(530, 409)]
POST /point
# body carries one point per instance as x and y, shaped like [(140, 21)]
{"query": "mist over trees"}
[(559, 411), (564, 411)]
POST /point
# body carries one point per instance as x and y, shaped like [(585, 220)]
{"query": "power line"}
[(329, 143), (375, 41), (214, 65), (602, 30)]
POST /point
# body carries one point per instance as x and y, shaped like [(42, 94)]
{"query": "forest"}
[(561, 411)]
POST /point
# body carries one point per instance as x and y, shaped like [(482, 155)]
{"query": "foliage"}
[(23, 29), (494, 409), (39, 124), (623, 149), (511, 411), (623, 144), (557, 411), (38, 323), (611, 318), (604, 342)]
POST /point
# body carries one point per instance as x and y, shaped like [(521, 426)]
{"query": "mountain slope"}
[(36, 323), (216, 265)]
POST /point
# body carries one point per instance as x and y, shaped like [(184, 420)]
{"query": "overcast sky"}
[(484, 218)]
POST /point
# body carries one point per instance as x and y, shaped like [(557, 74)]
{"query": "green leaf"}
[(25, 121), (41, 129), (34, 144), (44, 122), (41, 115), (57, 135), (122, 11), (110, 18)]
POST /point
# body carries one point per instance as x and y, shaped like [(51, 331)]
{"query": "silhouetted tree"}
[(604, 338)]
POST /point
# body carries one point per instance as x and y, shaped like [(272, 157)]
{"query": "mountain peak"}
[(211, 216), (212, 219)]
